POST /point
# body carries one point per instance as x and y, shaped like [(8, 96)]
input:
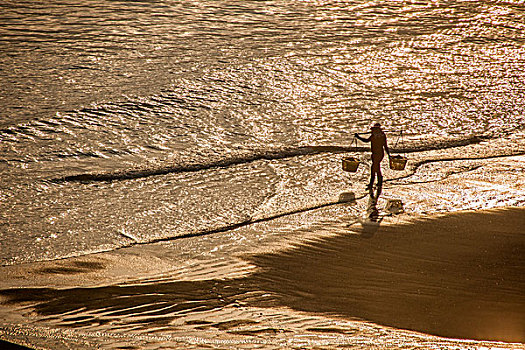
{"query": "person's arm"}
[(361, 138), (386, 147)]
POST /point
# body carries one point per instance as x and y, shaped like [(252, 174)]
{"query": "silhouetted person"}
[(379, 146)]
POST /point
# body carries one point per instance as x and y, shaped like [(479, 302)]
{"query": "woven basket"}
[(350, 164), (398, 162)]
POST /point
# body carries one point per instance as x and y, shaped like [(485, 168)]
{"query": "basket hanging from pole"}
[(351, 164), (398, 162)]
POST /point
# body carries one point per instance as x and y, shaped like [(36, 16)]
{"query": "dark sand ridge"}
[(458, 275)]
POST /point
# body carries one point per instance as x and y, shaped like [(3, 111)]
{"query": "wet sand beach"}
[(457, 275)]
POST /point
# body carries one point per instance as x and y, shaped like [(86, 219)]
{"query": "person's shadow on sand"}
[(370, 222)]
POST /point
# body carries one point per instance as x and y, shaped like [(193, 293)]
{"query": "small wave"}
[(192, 167), (444, 144), (261, 155)]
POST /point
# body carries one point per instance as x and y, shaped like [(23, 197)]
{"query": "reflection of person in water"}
[(379, 146)]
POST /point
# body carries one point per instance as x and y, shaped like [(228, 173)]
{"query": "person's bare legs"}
[(372, 178), (379, 178), (376, 168)]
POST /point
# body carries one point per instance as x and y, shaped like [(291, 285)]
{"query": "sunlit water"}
[(133, 122)]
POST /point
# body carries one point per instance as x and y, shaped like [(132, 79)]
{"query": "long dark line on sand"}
[(222, 163), (420, 163), (221, 229), (241, 224), (262, 155)]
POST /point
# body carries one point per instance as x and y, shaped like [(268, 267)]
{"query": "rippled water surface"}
[(128, 90), (126, 122)]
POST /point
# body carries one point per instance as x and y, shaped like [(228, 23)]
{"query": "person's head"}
[(376, 128)]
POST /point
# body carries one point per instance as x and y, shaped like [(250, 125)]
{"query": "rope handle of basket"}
[(399, 137)]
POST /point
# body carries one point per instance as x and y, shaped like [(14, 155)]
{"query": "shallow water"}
[(128, 123), (161, 94)]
